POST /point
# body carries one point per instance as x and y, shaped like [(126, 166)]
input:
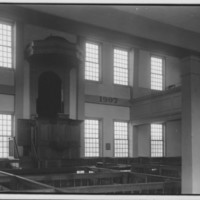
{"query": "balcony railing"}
[(155, 93)]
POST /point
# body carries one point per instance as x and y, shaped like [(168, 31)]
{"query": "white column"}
[(135, 141), (191, 125)]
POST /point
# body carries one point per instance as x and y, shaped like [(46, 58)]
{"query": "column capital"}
[(191, 65)]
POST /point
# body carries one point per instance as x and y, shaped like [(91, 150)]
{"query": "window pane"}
[(157, 140), (5, 133), (91, 131), (120, 67), (156, 73), (121, 139), (5, 45), (91, 61)]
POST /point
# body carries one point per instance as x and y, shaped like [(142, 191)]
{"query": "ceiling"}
[(185, 17)]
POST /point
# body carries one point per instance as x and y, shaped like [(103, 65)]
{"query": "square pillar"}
[(135, 141), (191, 125)]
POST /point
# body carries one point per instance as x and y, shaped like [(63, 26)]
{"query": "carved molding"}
[(53, 50)]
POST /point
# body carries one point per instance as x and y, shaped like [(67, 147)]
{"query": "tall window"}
[(120, 67), (5, 45), (121, 139), (157, 74), (5, 133), (91, 138), (157, 140), (92, 65)]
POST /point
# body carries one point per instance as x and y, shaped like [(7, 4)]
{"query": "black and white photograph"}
[(99, 100)]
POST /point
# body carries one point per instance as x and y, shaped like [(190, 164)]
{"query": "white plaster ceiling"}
[(186, 17)]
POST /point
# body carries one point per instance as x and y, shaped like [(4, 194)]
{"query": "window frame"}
[(128, 151), (12, 24), (99, 137), (128, 65), (7, 136), (163, 71), (163, 140), (99, 44)]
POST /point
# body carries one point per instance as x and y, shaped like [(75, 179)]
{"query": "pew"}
[(139, 188), (101, 181), (165, 170), (100, 175), (16, 184), (65, 163)]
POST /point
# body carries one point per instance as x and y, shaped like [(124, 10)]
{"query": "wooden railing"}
[(139, 188), (100, 182), (83, 182), (15, 184), (156, 93), (163, 170), (107, 160)]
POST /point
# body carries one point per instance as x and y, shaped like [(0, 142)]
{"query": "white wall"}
[(73, 94), (135, 143), (26, 106), (144, 148), (144, 69), (161, 107), (107, 114), (6, 76), (106, 86), (172, 72), (173, 138), (6, 103)]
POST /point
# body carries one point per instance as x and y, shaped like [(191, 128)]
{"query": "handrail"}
[(121, 188), (31, 184), (28, 184), (156, 93)]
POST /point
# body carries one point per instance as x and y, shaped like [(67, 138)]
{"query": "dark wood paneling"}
[(24, 132)]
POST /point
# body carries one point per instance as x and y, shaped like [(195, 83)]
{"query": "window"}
[(157, 140), (5, 133), (92, 65), (120, 67), (5, 45), (157, 73), (121, 139), (91, 130)]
